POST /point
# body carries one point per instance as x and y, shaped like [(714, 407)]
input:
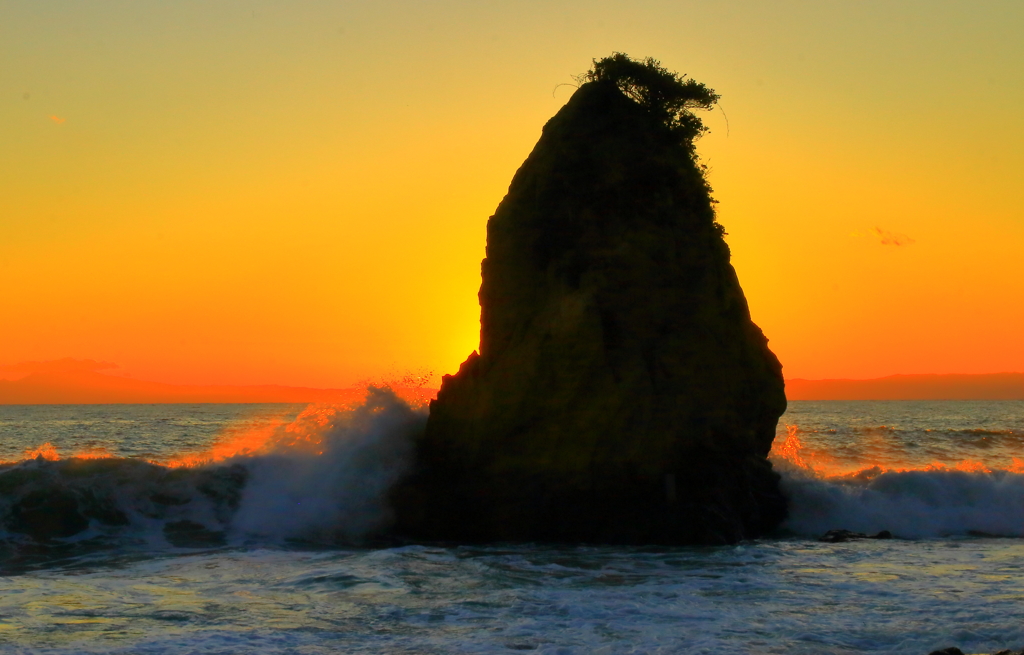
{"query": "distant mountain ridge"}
[(89, 387), (991, 386)]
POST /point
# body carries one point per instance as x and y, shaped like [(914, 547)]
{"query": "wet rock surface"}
[(621, 393)]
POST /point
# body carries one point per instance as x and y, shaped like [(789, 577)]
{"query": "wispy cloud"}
[(58, 120), (886, 237)]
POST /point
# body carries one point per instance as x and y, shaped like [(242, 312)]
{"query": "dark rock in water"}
[(160, 498), (56, 512), (45, 503), (621, 393), (47, 514), (189, 534), (839, 536)]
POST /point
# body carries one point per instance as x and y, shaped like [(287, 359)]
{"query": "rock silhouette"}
[(621, 393)]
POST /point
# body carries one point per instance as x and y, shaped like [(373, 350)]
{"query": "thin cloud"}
[(58, 120), (886, 237)]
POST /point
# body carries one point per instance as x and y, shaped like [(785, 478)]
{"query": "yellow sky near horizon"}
[(296, 192)]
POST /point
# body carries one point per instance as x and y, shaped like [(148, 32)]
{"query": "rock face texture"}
[(621, 393)]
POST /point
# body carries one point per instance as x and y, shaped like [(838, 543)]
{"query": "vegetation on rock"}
[(668, 96)]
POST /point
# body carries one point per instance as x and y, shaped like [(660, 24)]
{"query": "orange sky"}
[(296, 193)]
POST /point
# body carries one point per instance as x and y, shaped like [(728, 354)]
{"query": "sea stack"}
[(621, 393)]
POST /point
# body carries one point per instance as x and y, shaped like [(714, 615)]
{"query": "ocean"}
[(215, 529)]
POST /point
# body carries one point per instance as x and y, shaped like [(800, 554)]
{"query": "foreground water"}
[(944, 477)]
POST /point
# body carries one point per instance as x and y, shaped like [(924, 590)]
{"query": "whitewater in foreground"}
[(252, 561)]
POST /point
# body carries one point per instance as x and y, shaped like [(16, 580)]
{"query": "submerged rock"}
[(189, 534), (841, 536), (621, 393), (47, 514)]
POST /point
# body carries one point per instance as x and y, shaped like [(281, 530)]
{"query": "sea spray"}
[(330, 482)]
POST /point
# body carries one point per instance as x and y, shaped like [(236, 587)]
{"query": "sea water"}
[(946, 478)]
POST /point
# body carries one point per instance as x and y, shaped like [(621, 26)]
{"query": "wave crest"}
[(967, 497), (322, 477)]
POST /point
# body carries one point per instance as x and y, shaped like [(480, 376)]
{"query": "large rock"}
[(621, 393)]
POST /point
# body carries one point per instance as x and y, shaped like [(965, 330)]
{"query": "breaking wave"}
[(320, 478), (909, 499), (324, 478)]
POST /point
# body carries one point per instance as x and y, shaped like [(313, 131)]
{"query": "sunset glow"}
[(49, 452), (296, 193), (791, 453)]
